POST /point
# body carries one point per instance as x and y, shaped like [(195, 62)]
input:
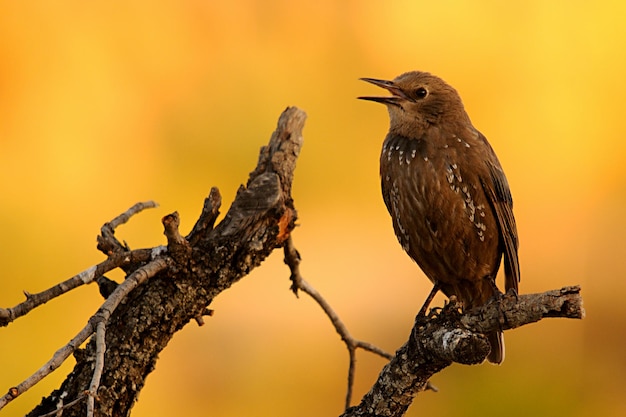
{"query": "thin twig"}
[(108, 307), (57, 359), (114, 260), (372, 348), (352, 344), (292, 259), (107, 242), (59, 410), (177, 246), (7, 315), (124, 217), (210, 212), (99, 365)]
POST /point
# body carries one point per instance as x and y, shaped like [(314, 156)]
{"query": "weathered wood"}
[(451, 336), (259, 220)]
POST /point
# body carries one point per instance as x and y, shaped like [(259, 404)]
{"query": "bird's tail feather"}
[(475, 294), (496, 340)]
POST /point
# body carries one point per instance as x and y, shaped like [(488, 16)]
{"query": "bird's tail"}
[(475, 294), (496, 340)]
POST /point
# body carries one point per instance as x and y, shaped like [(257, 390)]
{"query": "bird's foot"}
[(512, 292), (421, 319), (434, 312), (498, 298), (453, 306), (433, 292)]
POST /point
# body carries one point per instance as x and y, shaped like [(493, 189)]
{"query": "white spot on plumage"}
[(413, 153), (481, 209), (475, 213), (403, 236), (449, 175)]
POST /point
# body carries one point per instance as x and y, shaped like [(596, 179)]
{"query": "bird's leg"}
[(429, 299), (513, 291), (434, 312), (497, 297), (421, 319)]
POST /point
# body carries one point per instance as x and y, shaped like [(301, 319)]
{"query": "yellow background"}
[(103, 104)]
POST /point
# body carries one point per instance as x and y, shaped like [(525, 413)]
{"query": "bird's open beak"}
[(395, 98)]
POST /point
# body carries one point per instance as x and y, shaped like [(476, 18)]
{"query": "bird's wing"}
[(499, 195)]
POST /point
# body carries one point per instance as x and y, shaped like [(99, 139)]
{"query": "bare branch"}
[(512, 311), (99, 365), (107, 242), (125, 217), (104, 312), (210, 212), (121, 258), (167, 287), (61, 406), (292, 259), (194, 271), (452, 336), (57, 359), (118, 260), (177, 246)]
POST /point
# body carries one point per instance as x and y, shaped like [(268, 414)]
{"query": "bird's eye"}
[(421, 93)]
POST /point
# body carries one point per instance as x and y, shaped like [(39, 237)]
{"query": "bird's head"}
[(419, 100)]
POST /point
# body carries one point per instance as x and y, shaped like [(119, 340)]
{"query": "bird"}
[(447, 194)]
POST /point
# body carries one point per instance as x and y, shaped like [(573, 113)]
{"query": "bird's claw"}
[(434, 312)]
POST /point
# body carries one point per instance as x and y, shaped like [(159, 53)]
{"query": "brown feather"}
[(446, 192)]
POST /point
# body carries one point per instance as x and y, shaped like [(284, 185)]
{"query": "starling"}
[(447, 194)]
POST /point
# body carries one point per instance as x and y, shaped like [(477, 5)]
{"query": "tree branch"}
[(166, 287), (183, 280), (101, 316), (107, 242), (292, 259), (451, 336), (117, 260)]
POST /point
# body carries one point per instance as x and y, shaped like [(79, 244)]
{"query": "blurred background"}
[(108, 103)]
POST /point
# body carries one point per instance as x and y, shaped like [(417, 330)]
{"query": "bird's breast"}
[(433, 192)]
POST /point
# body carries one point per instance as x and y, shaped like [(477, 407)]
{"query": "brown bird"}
[(447, 194)]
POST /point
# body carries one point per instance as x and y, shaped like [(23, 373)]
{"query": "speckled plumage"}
[(446, 192)]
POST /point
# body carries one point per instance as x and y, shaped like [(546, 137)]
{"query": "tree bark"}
[(171, 286), (450, 336), (199, 268)]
